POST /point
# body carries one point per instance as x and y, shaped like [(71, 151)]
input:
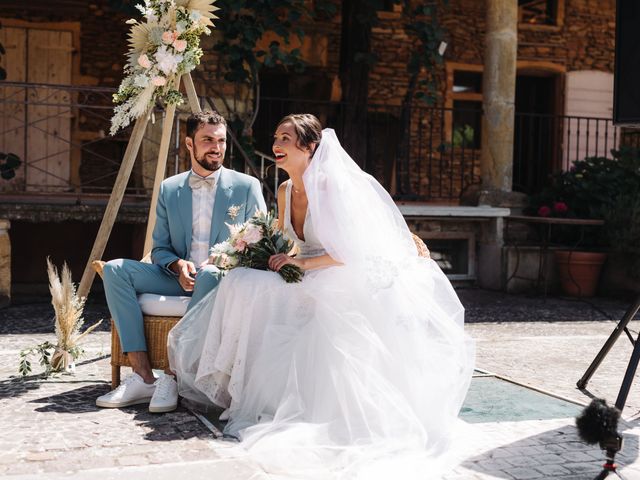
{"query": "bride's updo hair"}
[(307, 127)]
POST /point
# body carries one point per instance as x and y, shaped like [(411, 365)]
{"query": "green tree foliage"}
[(238, 34), (598, 188)]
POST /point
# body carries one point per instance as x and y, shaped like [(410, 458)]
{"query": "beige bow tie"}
[(198, 182)]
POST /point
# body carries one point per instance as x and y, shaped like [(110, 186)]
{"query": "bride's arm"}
[(282, 191), (276, 262)]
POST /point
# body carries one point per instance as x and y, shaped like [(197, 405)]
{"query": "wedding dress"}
[(358, 371)]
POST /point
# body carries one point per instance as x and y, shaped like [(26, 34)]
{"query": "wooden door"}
[(49, 111), (12, 106), (589, 130)]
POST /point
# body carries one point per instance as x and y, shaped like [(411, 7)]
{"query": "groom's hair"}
[(196, 121)]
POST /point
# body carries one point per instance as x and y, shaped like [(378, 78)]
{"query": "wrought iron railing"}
[(437, 164), (60, 133), (546, 143)]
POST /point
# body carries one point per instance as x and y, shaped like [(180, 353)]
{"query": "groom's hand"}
[(186, 271)]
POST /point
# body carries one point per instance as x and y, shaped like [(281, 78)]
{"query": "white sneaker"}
[(131, 391), (165, 398)]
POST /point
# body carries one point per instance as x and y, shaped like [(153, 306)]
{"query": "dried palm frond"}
[(139, 38), (141, 105), (205, 7)]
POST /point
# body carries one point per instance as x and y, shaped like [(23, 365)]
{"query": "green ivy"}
[(9, 162), (238, 31), (424, 26), (243, 23)]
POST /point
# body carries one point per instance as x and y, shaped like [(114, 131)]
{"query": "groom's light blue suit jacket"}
[(173, 230)]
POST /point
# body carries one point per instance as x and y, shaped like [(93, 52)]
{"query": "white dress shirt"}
[(202, 210)]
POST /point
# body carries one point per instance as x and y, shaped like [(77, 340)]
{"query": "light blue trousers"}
[(125, 279)]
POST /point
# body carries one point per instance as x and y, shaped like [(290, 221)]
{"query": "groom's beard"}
[(204, 162)]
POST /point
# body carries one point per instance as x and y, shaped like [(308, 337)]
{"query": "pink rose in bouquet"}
[(252, 243)]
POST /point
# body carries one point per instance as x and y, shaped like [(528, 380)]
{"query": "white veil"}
[(355, 218)]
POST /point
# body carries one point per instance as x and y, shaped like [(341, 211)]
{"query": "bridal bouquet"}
[(252, 243)]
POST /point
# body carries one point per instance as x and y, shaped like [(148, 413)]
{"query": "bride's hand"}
[(276, 262)]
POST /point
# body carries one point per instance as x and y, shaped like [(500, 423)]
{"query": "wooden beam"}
[(161, 168), (191, 93), (114, 203)]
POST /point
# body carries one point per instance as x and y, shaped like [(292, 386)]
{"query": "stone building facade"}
[(562, 49)]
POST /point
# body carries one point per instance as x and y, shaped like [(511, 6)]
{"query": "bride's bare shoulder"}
[(283, 187)]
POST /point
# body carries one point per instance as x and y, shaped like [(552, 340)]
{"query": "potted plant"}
[(593, 189)]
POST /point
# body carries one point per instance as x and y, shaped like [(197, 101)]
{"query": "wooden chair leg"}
[(115, 376)]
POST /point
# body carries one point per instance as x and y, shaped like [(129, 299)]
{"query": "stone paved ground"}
[(51, 428)]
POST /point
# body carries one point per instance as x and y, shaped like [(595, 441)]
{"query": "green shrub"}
[(595, 188)]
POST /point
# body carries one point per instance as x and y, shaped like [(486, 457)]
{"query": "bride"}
[(356, 371)]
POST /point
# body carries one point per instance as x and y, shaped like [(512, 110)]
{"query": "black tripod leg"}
[(628, 316), (628, 376)]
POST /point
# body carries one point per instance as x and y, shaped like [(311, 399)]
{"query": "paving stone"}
[(552, 471), (550, 459), (52, 427), (583, 468), (524, 461), (520, 473), (578, 457), (40, 456), (495, 465)]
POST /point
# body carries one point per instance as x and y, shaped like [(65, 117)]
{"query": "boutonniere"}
[(233, 211)]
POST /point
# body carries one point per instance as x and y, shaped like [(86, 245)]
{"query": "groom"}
[(192, 210)]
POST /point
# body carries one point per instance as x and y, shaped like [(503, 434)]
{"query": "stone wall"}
[(584, 40)]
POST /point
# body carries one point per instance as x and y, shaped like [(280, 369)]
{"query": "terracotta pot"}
[(579, 271)]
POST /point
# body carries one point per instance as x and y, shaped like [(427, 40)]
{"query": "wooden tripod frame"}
[(122, 179)]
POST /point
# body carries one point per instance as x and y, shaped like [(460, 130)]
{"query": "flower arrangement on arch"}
[(164, 46), (252, 243)]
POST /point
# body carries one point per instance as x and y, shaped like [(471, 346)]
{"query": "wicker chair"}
[(156, 331)]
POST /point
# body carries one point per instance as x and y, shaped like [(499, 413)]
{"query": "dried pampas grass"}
[(68, 309)]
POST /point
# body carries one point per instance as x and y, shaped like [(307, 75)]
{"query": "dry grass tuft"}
[(68, 308)]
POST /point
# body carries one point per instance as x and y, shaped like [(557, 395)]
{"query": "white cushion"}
[(163, 306)]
